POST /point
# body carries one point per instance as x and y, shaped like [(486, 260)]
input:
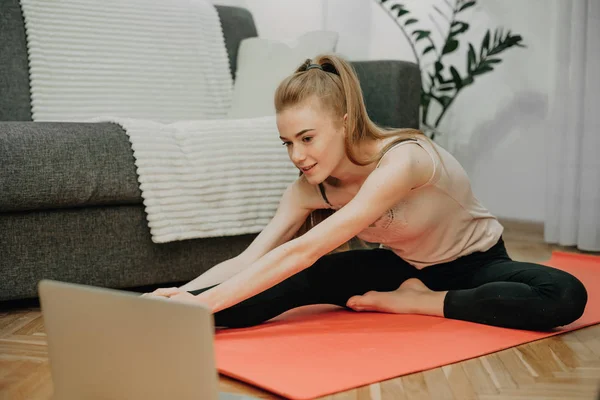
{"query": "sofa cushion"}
[(392, 91), (263, 63), (65, 164)]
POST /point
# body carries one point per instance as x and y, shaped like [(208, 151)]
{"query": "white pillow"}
[(263, 63)]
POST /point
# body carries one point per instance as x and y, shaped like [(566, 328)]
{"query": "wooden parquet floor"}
[(562, 367)]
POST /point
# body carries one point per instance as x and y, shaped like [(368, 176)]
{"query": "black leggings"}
[(483, 287)]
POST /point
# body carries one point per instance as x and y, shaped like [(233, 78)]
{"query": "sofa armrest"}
[(65, 164), (392, 90)]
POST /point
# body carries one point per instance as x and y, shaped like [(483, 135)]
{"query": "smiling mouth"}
[(308, 168)]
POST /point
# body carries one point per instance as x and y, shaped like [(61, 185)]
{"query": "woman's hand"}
[(175, 294), (163, 292), (184, 297)]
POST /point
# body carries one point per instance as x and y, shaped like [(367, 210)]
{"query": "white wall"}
[(496, 128), (352, 20), (501, 121)]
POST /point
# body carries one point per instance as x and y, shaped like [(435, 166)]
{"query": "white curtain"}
[(573, 141)]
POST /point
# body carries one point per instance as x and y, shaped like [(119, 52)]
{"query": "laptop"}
[(113, 344)]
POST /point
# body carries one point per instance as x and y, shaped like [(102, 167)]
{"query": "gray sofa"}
[(70, 204)]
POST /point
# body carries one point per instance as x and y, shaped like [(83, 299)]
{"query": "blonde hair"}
[(337, 87)]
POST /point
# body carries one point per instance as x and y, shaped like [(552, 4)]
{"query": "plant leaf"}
[(485, 44), (516, 40), (507, 42), (450, 46), (400, 8), (456, 78), (444, 100), (438, 69), (446, 88), (466, 5), (462, 27), (421, 34), (425, 99), (482, 70), (428, 49), (471, 59)]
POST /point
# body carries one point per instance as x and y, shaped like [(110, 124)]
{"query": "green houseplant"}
[(441, 82)]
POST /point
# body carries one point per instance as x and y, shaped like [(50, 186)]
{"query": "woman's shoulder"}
[(414, 154), (309, 195)]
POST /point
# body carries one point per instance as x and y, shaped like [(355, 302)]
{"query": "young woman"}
[(441, 251)]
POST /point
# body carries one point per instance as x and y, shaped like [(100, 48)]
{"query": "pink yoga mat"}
[(315, 351)]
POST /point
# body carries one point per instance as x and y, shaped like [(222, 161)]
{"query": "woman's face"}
[(314, 141)]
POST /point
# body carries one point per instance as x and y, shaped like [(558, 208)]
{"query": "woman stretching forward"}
[(441, 251)]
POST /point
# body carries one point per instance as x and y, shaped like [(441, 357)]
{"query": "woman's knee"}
[(575, 297), (568, 297)]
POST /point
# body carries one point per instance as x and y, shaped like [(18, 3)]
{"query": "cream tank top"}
[(437, 222)]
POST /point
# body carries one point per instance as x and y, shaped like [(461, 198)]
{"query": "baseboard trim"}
[(516, 229), (522, 225)]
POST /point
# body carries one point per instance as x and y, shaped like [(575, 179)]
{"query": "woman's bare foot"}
[(412, 297)]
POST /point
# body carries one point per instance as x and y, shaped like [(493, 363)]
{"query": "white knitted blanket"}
[(208, 178), (163, 60)]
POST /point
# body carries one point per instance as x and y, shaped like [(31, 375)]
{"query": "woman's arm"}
[(217, 274), (296, 204), (382, 189)]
